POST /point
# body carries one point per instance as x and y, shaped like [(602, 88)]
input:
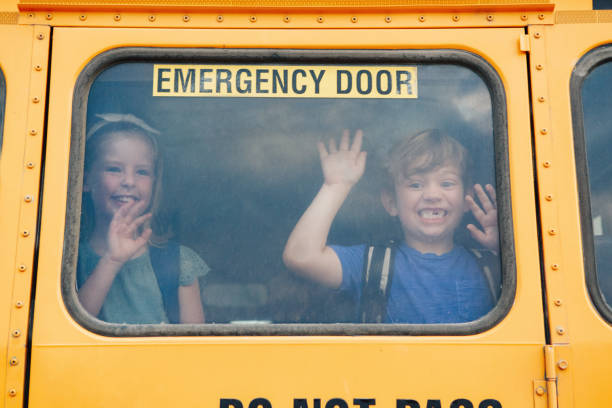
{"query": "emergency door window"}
[(594, 149), (249, 194)]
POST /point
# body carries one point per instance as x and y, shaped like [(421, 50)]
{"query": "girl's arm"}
[(123, 244), (190, 303), (306, 251)]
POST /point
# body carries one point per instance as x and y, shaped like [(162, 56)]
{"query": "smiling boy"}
[(434, 279)]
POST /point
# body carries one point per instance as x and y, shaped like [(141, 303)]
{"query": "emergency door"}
[(573, 188), (242, 166), (23, 74)]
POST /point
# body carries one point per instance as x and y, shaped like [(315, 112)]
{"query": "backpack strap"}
[(490, 267), (377, 276), (166, 265)]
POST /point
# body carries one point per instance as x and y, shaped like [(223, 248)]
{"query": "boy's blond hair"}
[(423, 152)]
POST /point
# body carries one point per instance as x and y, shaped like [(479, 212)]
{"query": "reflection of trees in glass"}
[(597, 106), (240, 171)]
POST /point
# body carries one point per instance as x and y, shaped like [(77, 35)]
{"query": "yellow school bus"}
[(237, 94)]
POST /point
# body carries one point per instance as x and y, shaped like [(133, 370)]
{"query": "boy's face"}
[(430, 206)]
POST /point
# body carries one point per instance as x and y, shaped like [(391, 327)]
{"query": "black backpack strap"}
[(166, 265), (490, 266), (377, 276)]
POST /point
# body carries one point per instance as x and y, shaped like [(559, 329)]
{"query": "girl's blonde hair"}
[(108, 127)]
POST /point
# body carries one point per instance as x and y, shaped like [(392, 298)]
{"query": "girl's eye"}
[(144, 172), (113, 169)]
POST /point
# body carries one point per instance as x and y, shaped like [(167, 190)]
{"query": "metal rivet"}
[(543, 131), (13, 361), (152, 17), (31, 15), (560, 331), (186, 18), (541, 16), (253, 19), (83, 17), (354, 19), (490, 17), (16, 333), (388, 19), (27, 198), (539, 67), (37, 67), (558, 302), (49, 16), (33, 132), (552, 231), (524, 17), (36, 99), (22, 268), (421, 18), (540, 390), (12, 392), (555, 267), (19, 304), (546, 164), (40, 36), (456, 18), (563, 364), (541, 99), (549, 197), (25, 233), (220, 18), (286, 19), (117, 17), (537, 35), (30, 165), (320, 19)]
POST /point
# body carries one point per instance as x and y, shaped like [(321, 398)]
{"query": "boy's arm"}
[(306, 251)]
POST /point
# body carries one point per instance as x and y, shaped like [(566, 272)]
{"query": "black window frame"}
[(284, 56), (591, 60)]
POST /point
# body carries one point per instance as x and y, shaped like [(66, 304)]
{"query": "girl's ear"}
[(388, 201)]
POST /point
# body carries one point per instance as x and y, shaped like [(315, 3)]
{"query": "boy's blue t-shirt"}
[(425, 288)]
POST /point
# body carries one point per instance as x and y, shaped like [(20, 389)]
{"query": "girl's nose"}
[(128, 178)]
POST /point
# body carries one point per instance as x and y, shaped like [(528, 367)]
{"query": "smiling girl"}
[(121, 277)]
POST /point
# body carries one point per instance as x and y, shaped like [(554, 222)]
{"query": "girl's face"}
[(123, 173)]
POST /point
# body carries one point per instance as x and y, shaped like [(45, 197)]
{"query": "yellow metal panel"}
[(73, 366), (23, 61), (588, 335)]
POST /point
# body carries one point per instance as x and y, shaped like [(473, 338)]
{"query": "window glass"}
[(597, 124), (210, 166)]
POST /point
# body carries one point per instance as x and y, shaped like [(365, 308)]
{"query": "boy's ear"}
[(388, 201)]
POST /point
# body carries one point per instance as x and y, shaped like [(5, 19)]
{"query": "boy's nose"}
[(431, 193)]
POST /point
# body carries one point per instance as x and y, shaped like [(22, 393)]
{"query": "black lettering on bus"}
[(358, 81), (317, 79), (349, 82), (434, 404), (260, 403), (281, 82), (364, 402), (336, 402), (490, 403), (204, 79), (184, 82), (294, 84), (403, 403), (229, 402), (225, 80), (379, 81), (247, 82), (406, 81), (259, 80), (461, 403), (161, 79), (303, 402)]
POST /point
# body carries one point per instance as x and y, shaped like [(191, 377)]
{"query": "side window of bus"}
[(594, 149), (211, 169), (2, 108)]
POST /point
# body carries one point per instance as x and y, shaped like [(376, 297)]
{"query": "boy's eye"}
[(113, 169), (415, 185), (448, 183)]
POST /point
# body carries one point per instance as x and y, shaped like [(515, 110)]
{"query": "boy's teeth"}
[(432, 213)]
